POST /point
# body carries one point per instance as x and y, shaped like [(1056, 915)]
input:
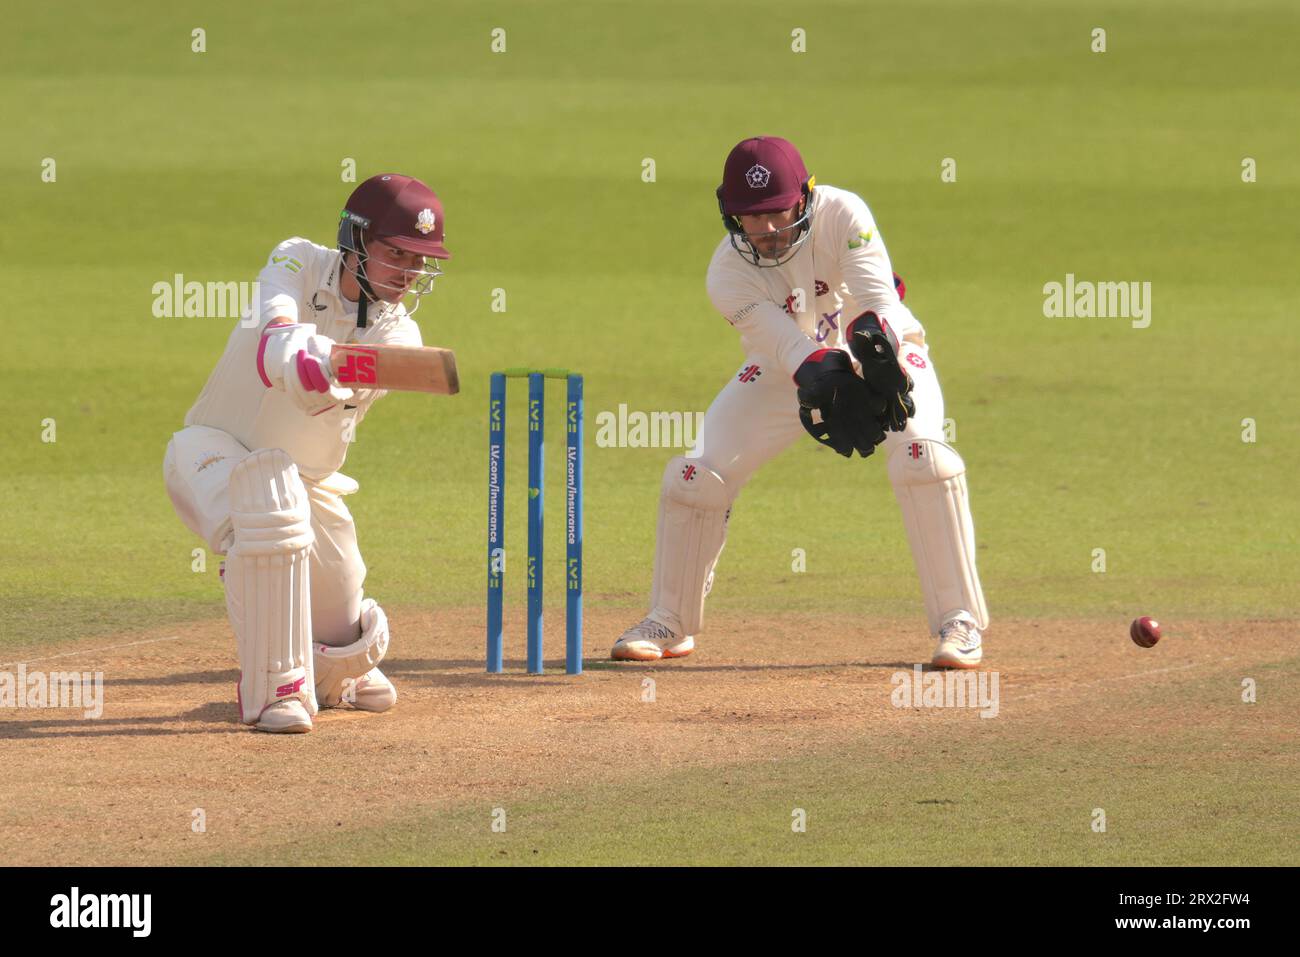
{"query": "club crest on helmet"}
[(425, 222), (758, 176)]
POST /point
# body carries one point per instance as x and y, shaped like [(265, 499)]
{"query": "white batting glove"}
[(293, 359)]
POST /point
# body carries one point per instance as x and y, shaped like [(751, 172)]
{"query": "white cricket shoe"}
[(285, 717), (374, 692), (651, 640), (959, 645)]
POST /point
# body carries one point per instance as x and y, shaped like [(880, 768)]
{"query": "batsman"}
[(803, 276), (255, 472)]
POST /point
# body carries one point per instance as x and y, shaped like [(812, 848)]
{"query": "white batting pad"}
[(338, 668), (929, 480), (693, 509), (267, 583)]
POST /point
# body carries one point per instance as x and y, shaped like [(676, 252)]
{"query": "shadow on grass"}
[(217, 718)]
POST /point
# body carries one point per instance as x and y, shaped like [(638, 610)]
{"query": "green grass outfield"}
[(968, 806), (1078, 434), (1019, 790)]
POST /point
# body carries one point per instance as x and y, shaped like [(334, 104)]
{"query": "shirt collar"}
[(331, 286), (332, 283)]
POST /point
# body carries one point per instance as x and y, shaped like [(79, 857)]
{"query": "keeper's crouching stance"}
[(803, 275), (255, 471)]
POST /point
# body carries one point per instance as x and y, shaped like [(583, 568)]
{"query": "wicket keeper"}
[(803, 276)]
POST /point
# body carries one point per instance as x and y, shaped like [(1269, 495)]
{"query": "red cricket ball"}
[(1144, 631)]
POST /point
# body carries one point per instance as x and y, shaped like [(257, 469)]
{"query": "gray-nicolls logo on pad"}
[(76, 909)]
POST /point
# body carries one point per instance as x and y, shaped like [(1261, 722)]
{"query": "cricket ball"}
[(1144, 631)]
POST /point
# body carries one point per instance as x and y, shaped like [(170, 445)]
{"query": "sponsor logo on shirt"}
[(861, 239), (741, 314), (827, 324)]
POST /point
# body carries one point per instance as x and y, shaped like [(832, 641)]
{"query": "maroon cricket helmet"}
[(400, 210), (765, 174)]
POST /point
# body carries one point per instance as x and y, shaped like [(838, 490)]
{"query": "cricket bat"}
[(398, 368)]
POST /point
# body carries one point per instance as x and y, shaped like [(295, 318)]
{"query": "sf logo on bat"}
[(358, 367)]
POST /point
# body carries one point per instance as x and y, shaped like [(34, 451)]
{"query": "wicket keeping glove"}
[(876, 348), (835, 405)]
